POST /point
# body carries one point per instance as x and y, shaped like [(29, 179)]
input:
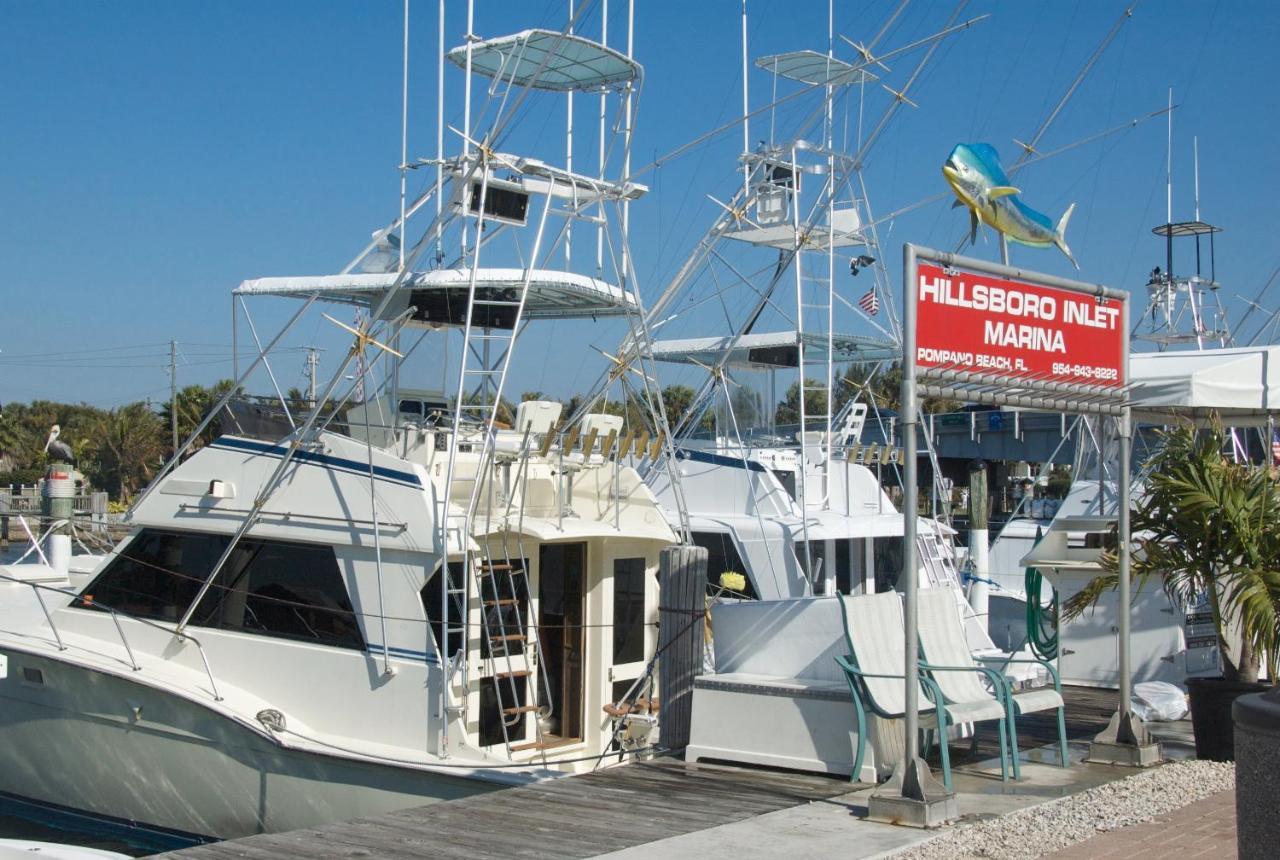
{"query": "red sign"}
[(983, 324)]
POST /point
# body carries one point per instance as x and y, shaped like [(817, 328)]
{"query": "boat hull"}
[(107, 746)]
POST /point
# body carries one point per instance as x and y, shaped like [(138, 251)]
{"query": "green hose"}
[(1042, 622)]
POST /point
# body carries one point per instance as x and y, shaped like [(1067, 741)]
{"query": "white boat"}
[(368, 614)]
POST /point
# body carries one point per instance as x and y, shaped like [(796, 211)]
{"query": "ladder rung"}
[(522, 709), (518, 673), (506, 601), (537, 745), (510, 637), (501, 565)]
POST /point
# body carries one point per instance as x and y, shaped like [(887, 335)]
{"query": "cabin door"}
[(561, 594)]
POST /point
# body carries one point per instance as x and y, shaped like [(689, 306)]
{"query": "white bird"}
[(60, 450)]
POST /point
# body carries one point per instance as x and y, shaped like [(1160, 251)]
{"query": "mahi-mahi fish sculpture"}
[(974, 173)]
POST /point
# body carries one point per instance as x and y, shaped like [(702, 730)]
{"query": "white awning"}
[(810, 67), (552, 294), (773, 349), (1235, 383), (548, 60)]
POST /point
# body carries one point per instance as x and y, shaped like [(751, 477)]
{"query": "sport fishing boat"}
[(405, 597), (796, 504)]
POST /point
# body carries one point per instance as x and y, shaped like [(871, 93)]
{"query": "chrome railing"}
[(115, 617)]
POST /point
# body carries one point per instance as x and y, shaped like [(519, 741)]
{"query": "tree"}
[(194, 403), (815, 404), (128, 447), (1208, 526)]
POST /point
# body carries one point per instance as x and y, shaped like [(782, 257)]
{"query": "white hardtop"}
[(548, 60), (771, 349), (552, 294)]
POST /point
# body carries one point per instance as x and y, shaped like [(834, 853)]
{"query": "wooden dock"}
[(609, 810)]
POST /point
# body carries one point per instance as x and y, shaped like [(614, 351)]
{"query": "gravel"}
[(1047, 827)]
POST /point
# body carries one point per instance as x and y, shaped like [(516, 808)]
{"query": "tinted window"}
[(432, 606), (272, 588), (628, 610), (888, 561), (722, 557), (287, 590), (157, 574)]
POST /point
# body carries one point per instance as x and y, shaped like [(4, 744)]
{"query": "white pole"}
[(746, 110), (1195, 145), (466, 109), (1168, 166), (568, 160), (626, 150), (439, 133), (604, 40), (404, 131)]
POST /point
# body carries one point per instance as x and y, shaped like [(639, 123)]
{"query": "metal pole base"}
[(913, 798), (1125, 741)]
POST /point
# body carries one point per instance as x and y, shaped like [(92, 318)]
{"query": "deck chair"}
[(946, 657), (873, 629)]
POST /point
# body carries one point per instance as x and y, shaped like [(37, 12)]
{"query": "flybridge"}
[(998, 299)]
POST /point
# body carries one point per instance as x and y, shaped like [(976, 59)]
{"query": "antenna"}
[(1168, 164), (746, 123), (1195, 146), (404, 129)]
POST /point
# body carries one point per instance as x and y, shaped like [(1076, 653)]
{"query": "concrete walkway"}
[(1206, 828), (837, 826)]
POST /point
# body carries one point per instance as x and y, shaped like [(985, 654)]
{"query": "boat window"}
[(722, 557), (817, 553), (410, 407), (628, 610), (285, 590), (271, 588), (888, 562), (156, 575), (844, 566), (431, 605)]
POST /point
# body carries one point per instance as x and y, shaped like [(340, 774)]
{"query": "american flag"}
[(870, 302)]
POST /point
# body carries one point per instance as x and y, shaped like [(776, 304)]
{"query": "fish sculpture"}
[(974, 173)]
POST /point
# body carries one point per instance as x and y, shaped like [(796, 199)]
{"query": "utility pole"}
[(173, 391), (312, 363)]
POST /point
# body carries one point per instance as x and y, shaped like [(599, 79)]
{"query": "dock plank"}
[(609, 810)]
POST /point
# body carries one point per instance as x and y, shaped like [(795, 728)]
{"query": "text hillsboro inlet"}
[(983, 324)]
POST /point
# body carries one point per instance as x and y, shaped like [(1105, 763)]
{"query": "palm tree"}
[(1208, 526)]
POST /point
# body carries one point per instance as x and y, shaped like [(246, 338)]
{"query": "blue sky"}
[(154, 155)]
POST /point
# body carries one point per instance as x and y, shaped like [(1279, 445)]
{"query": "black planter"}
[(1211, 701)]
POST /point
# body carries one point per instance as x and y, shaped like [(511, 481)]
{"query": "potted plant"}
[(1207, 527)]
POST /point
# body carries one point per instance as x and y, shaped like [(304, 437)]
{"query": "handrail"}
[(181, 636)]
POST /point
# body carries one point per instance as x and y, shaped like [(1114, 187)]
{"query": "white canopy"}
[(547, 60), (772, 349), (1236, 383), (441, 295), (810, 67)]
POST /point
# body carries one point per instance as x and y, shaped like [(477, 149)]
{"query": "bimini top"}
[(810, 67), (772, 349), (440, 297), (547, 60)]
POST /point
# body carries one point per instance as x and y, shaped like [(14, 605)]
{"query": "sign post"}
[(990, 333)]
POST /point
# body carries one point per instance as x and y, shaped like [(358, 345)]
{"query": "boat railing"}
[(38, 588)]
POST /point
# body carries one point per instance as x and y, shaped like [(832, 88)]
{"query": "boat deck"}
[(609, 810)]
